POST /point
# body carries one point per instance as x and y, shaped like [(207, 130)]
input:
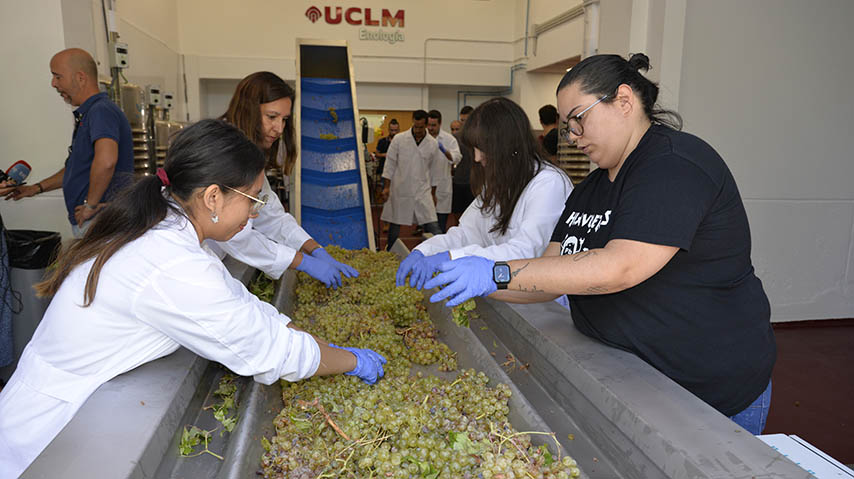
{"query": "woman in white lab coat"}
[(520, 198), (261, 108), (139, 285)]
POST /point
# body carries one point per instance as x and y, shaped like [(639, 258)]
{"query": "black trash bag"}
[(30, 249)]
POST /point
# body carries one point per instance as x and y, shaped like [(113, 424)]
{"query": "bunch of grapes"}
[(405, 426)]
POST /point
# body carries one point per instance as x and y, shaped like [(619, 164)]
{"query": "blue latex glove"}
[(406, 267), (342, 268), (369, 364), (425, 267), (464, 278), (320, 270), (441, 147)]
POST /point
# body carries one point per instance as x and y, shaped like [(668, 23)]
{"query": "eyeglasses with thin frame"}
[(573, 123), (259, 203)]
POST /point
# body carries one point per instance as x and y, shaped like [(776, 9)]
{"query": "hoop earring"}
[(214, 218)]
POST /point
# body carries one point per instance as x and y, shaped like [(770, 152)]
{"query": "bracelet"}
[(41, 189)]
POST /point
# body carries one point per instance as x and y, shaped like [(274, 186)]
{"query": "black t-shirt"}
[(703, 320), (550, 142), (382, 147), (383, 144)]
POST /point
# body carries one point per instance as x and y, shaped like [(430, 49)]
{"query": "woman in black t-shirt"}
[(653, 248)]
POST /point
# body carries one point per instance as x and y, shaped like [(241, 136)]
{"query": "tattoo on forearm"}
[(581, 256), (597, 290), (514, 273), (532, 290)]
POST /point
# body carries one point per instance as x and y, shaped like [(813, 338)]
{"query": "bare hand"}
[(82, 213), (18, 192), (384, 195)]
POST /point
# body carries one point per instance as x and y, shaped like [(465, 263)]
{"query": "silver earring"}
[(214, 218)]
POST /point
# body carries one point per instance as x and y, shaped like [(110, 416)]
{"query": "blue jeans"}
[(754, 416), (79, 230)]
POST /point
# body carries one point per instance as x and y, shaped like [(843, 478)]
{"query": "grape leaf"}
[(460, 442), (546, 454)]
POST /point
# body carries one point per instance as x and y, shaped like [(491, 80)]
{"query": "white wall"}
[(36, 125), (770, 91), (150, 29)]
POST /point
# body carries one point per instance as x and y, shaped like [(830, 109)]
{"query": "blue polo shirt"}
[(98, 117)]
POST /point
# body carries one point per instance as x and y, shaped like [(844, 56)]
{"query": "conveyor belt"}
[(330, 199)]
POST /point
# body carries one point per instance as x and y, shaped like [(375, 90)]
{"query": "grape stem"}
[(319, 407)]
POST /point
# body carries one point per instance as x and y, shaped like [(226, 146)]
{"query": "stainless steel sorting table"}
[(626, 419)]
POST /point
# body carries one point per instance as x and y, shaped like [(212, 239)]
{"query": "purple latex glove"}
[(406, 266), (369, 364), (464, 278), (425, 267), (320, 270), (345, 269)]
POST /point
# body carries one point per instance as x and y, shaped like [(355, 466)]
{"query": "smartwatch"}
[(501, 274)]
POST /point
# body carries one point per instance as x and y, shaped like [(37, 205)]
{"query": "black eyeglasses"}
[(573, 123)]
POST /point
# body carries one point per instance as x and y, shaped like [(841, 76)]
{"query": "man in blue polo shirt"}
[(100, 158)]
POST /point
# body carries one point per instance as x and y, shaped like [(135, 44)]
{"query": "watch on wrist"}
[(91, 207), (501, 274)]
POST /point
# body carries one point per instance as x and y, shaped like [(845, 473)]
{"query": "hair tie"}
[(161, 173)]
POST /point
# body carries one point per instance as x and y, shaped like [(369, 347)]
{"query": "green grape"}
[(407, 425)]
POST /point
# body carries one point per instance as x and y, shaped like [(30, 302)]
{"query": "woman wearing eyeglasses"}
[(515, 212), (653, 248), (139, 285), (261, 108)]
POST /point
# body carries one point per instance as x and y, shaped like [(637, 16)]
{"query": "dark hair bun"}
[(639, 62)]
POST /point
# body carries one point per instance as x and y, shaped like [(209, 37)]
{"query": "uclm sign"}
[(356, 16)]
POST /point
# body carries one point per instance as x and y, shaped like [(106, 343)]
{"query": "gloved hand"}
[(345, 269), (464, 278), (425, 267), (441, 147), (406, 267), (320, 270), (369, 364)]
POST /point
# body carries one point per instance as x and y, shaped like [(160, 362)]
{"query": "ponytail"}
[(601, 75), (209, 152)]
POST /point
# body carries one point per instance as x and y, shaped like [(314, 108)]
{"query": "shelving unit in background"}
[(573, 162)]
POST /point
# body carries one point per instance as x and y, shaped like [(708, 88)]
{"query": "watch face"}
[(501, 273)]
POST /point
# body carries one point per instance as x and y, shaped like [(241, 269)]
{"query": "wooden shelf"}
[(573, 162)]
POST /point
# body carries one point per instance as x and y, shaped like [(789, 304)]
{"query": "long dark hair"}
[(210, 152), (244, 112), (601, 75), (501, 130)]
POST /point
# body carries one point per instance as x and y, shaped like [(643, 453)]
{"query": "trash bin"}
[(26, 255)]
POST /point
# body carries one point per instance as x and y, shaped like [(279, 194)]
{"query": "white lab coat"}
[(409, 167), (531, 225), (157, 293), (441, 173), (268, 242)]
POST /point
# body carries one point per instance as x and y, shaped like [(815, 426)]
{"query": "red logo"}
[(356, 16), (313, 13)]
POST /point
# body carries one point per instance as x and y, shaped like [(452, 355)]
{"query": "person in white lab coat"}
[(442, 180), (521, 196), (409, 163), (261, 108), (139, 285)]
